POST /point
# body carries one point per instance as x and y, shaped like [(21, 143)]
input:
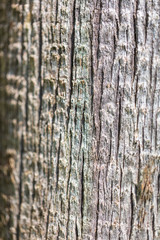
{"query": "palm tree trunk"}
[(79, 122)]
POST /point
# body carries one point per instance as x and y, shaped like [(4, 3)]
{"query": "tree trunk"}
[(80, 119)]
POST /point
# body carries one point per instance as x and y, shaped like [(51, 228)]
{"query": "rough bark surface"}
[(79, 119)]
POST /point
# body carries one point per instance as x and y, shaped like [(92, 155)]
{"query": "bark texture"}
[(79, 119)]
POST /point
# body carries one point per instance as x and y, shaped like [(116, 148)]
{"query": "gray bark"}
[(79, 122)]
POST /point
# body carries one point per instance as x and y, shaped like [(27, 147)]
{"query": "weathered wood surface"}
[(79, 119)]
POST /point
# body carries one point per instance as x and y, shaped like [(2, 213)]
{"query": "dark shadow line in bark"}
[(33, 197), (99, 28), (40, 61), (81, 133), (119, 128), (76, 229), (20, 187), (72, 40), (92, 68), (82, 193), (135, 31), (47, 223), (100, 112), (56, 15), (58, 158), (97, 207), (146, 21), (132, 211)]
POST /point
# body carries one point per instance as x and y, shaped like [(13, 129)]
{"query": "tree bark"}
[(80, 119)]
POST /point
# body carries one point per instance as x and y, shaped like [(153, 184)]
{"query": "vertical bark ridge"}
[(80, 83)]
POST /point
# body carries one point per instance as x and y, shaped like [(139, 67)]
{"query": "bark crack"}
[(58, 158), (40, 60), (72, 59), (20, 188)]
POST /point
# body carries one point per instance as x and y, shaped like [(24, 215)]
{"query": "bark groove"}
[(80, 119)]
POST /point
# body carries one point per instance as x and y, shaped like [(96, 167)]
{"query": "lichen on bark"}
[(79, 122)]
